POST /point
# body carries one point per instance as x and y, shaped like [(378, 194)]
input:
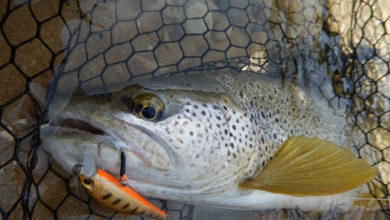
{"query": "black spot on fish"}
[(125, 206), (226, 131), (106, 196), (269, 97), (133, 211), (203, 113), (116, 201), (234, 127), (241, 94), (218, 118), (232, 145), (196, 106)]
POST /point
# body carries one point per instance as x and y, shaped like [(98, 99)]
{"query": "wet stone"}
[(238, 36), (379, 138), (145, 42), (213, 56), (97, 43), (11, 84), (168, 54), (43, 11), (358, 137), (217, 40), (116, 73), (72, 207), (77, 57), (32, 57), (67, 82), (100, 209), (141, 63), (173, 15), (92, 69), (194, 45), (149, 21), (373, 30), (257, 33), (366, 121), (41, 165), (195, 8), (237, 17), (17, 213), (152, 5), (165, 70), (378, 104), (123, 31), (384, 86), (171, 33), (20, 21), (194, 26), (11, 181), (256, 15), (128, 9), (187, 63), (238, 3), (7, 143), (53, 190), (118, 53), (42, 212), (216, 21), (382, 47), (103, 16), (52, 34), (376, 68), (364, 87), (5, 52), (385, 120), (233, 52)]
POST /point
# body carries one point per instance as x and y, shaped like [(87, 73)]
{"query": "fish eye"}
[(147, 106), (87, 181)]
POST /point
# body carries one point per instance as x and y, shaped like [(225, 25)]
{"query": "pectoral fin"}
[(311, 167)]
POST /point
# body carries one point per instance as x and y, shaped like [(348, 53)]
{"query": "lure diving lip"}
[(109, 191)]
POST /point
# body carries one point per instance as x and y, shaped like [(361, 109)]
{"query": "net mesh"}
[(336, 45)]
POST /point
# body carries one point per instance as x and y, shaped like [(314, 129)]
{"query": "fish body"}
[(203, 139)]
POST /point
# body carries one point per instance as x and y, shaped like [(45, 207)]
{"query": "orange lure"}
[(109, 191)]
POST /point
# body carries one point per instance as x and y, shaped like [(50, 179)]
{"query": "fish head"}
[(189, 137)]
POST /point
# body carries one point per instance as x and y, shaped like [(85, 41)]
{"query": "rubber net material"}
[(336, 45)]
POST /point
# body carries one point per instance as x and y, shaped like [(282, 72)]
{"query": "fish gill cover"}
[(341, 47)]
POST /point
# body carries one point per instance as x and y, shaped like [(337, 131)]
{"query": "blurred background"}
[(341, 47)]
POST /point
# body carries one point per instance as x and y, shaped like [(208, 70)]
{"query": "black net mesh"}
[(341, 45)]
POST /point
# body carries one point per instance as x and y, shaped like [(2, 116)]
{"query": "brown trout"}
[(227, 139)]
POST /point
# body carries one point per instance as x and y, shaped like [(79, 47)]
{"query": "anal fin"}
[(311, 167)]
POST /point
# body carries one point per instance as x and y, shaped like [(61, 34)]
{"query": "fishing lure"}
[(112, 193)]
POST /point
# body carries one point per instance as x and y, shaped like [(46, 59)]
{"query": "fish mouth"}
[(92, 128), (78, 125)]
